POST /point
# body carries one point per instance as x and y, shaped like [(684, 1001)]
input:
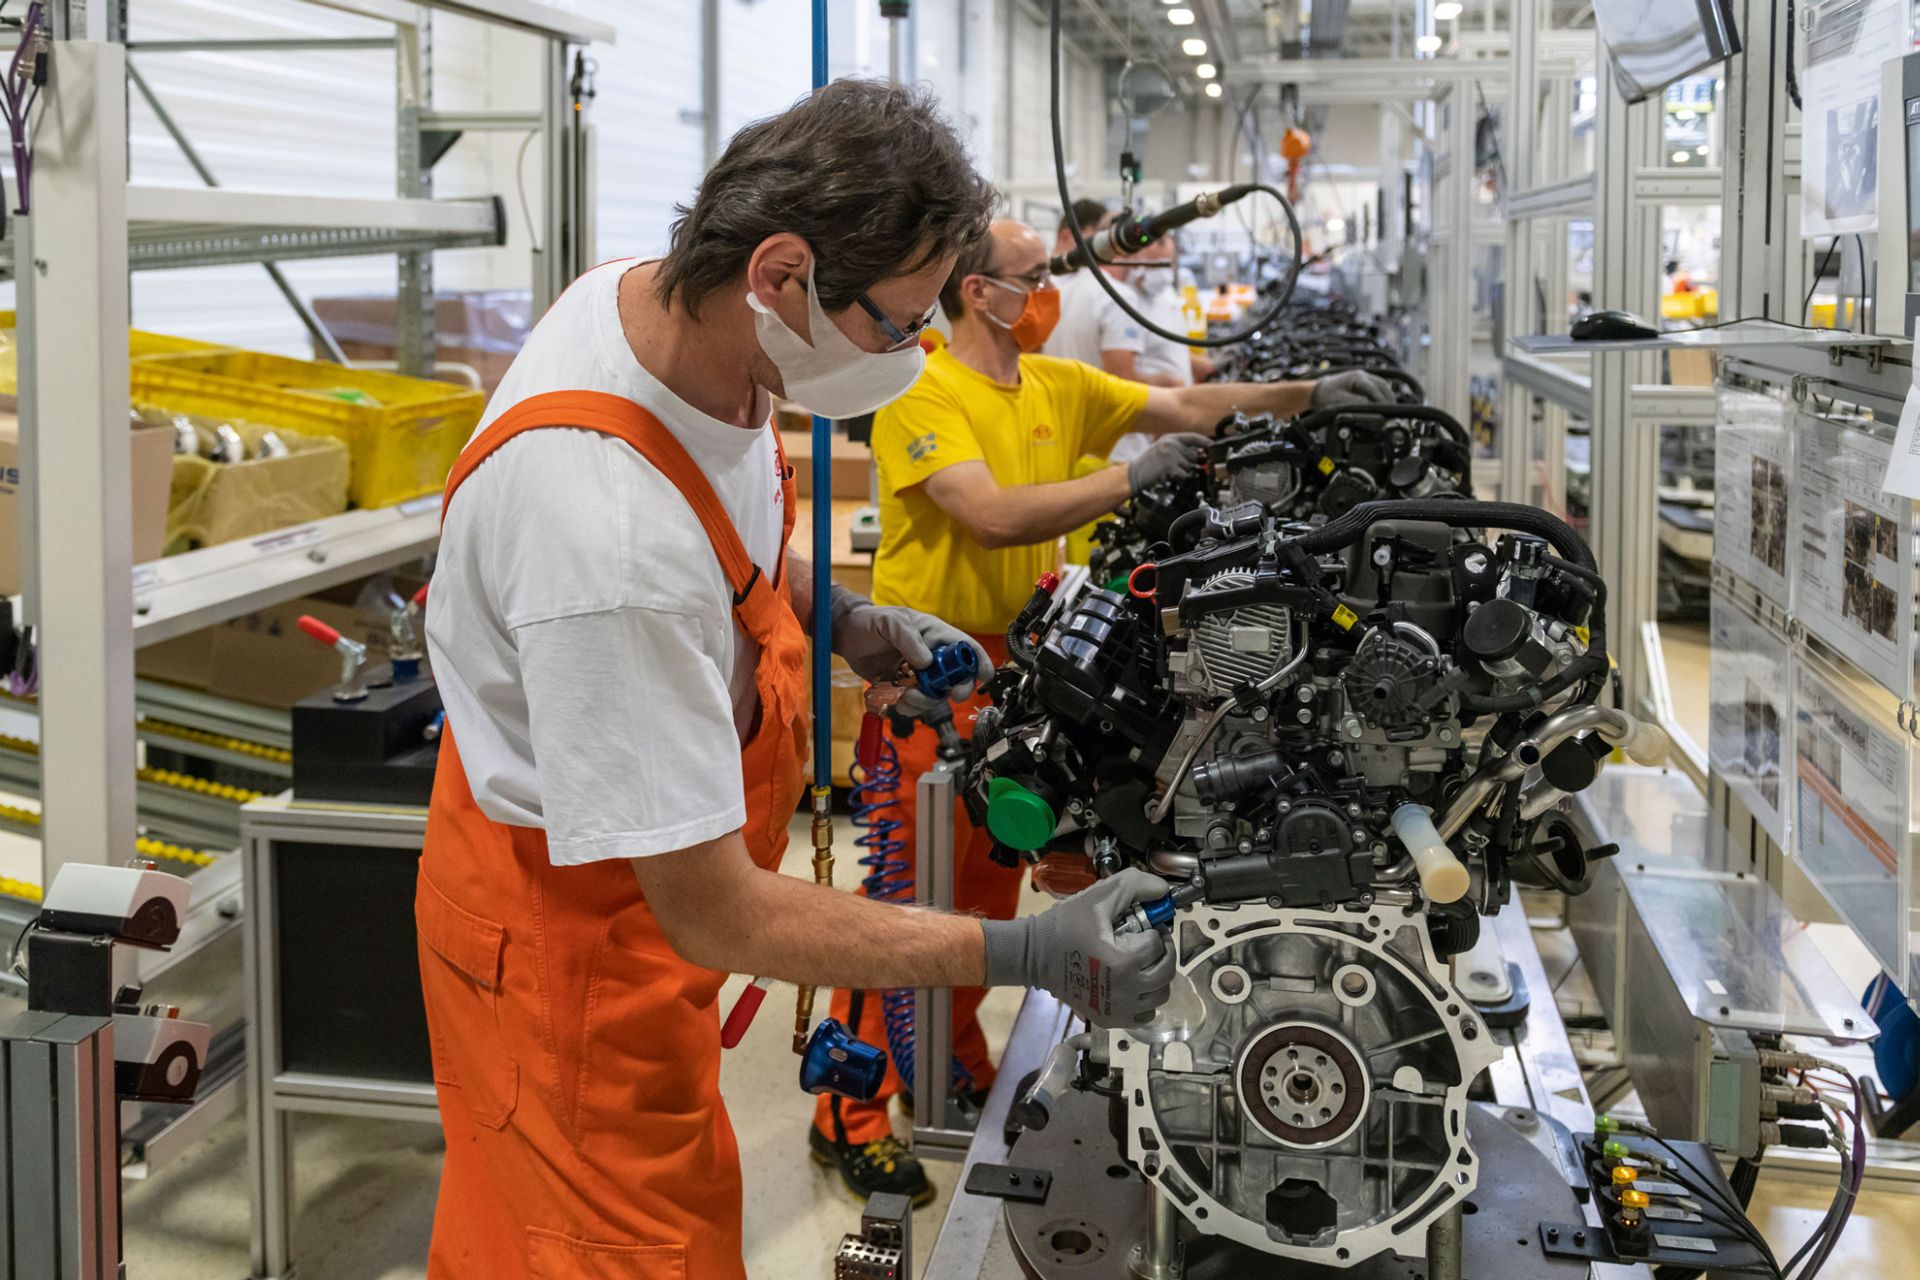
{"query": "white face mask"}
[(833, 377), (1153, 281)]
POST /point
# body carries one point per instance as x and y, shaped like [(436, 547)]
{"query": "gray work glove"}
[(1355, 386), (876, 639), (1072, 951), (1171, 457)]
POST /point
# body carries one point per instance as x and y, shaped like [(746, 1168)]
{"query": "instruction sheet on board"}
[(1850, 811), (1750, 728), (1846, 43), (1854, 588), (1752, 516)]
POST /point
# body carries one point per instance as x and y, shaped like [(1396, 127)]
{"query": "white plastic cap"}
[(1443, 877)]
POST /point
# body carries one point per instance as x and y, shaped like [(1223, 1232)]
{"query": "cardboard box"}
[(215, 502), (483, 329), (264, 658), (852, 465), (152, 458)]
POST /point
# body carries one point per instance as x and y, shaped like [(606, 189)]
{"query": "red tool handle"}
[(420, 596), (734, 1030), (319, 630), (866, 751)]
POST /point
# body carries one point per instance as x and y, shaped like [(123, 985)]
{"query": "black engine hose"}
[(1389, 413), (1182, 523), (1020, 645), (1347, 530)]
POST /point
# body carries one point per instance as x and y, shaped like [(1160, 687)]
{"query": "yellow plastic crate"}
[(139, 341), (402, 434)]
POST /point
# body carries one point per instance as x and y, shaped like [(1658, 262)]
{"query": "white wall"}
[(324, 122)]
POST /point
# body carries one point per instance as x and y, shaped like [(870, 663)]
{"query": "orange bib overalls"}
[(576, 1057)]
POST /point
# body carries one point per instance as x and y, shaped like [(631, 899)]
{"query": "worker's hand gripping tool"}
[(1159, 913), (833, 1059), (952, 665)]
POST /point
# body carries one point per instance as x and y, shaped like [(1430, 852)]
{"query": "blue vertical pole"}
[(822, 519)]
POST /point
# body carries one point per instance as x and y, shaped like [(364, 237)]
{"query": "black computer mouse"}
[(1611, 326)]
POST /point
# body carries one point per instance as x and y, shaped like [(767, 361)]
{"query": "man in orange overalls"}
[(613, 628)]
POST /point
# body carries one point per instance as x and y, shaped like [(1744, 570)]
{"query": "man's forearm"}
[(799, 573), (1210, 402), (998, 516), (721, 911), (807, 934)]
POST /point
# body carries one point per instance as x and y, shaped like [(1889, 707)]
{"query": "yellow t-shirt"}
[(1030, 434)]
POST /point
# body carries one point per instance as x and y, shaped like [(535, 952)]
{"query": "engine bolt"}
[(1476, 564), (1352, 728), (1304, 715), (1259, 715), (1336, 757), (1285, 806), (1383, 556), (1246, 846), (1304, 693), (1353, 811), (1446, 734)]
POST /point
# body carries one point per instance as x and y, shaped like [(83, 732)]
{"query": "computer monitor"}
[(1656, 42), (1896, 306)]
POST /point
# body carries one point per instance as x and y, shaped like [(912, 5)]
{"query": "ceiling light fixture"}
[(1206, 71), (1194, 47), (1213, 89), (1180, 17), (1428, 44), (1447, 10), (1681, 157)]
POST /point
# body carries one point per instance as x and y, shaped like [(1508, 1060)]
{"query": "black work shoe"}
[(874, 1166)]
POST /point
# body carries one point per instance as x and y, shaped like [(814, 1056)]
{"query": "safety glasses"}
[(900, 338)]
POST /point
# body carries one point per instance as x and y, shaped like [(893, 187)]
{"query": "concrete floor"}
[(365, 1189)]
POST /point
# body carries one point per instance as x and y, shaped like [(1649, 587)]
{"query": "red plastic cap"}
[(319, 630), (741, 1017), (1048, 581), (420, 596), (866, 751)]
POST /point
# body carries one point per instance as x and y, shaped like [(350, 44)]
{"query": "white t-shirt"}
[(580, 626), (1160, 355), (1091, 322)]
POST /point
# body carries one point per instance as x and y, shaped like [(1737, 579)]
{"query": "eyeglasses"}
[(900, 338), (1038, 278)]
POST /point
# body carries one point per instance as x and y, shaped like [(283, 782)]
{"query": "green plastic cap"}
[(1117, 583), (1605, 1124), (1614, 1150), (1017, 817)]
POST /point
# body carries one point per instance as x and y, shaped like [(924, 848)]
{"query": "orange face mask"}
[(1034, 325)]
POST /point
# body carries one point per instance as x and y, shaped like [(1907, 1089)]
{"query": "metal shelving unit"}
[(91, 227)]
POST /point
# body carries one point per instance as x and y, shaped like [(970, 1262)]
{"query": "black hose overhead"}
[(1281, 297)]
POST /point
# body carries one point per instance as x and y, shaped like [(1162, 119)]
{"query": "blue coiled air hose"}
[(883, 853)]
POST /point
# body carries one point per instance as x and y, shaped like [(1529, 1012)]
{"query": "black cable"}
[(1793, 75), (1860, 299), (1817, 273), (1080, 240)]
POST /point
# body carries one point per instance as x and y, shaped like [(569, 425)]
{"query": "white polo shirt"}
[(1091, 321)]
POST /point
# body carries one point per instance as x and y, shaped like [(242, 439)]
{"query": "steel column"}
[(1516, 300), (413, 311), (1625, 512), (76, 411)]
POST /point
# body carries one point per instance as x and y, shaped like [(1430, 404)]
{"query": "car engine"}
[(1321, 464), (1341, 743)]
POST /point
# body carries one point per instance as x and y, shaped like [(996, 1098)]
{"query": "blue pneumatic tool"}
[(1159, 913)]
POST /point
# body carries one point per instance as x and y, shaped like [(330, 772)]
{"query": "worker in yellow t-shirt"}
[(977, 486)]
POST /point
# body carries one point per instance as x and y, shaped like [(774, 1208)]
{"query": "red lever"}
[(866, 751), (1048, 581), (735, 1028), (319, 630), (420, 596)]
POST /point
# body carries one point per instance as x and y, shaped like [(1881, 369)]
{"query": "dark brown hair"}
[(867, 173), (973, 261)]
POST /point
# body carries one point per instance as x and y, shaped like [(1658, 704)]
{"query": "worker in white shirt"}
[(614, 626), (1094, 329), (1154, 279)]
